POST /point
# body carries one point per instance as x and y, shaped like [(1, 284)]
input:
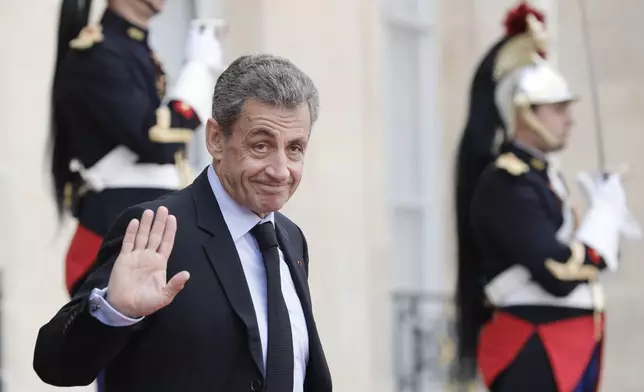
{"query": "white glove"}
[(606, 218), (196, 82), (629, 227), (204, 47)]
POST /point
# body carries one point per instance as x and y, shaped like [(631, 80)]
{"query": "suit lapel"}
[(224, 259), (294, 261), (317, 372)]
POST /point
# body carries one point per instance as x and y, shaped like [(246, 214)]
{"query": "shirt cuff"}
[(104, 312)]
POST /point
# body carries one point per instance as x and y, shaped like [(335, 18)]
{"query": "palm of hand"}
[(137, 285)]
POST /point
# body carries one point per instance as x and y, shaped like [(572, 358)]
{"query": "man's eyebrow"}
[(299, 139), (261, 131)]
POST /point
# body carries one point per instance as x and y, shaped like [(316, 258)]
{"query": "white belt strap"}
[(506, 283), (515, 287), (118, 169)]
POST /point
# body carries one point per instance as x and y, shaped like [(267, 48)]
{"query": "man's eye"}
[(296, 148), (260, 147)]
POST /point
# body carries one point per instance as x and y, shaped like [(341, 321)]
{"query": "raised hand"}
[(603, 188), (137, 285), (204, 46), (609, 190)]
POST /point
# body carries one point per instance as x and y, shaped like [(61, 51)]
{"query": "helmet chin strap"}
[(524, 109)]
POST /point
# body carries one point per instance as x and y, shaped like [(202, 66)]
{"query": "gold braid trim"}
[(161, 132), (574, 268)]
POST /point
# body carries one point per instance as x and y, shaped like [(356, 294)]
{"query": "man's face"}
[(260, 163), (557, 119)]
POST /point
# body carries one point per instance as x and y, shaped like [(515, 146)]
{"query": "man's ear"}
[(214, 139)]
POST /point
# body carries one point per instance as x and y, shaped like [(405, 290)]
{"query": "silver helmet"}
[(525, 79)]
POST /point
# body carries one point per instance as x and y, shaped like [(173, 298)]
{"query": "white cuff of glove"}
[(600, 230), (195, 87)]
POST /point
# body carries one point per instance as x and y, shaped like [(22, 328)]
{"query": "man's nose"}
[(278, 169)]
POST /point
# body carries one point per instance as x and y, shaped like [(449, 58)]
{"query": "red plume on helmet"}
[(515, 21)]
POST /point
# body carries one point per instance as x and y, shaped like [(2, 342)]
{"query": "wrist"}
[(119, 307), (600, 231)]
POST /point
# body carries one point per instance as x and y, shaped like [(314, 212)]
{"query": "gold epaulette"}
[(511, 164), (88, 37)]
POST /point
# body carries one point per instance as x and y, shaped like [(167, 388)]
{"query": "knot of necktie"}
[(265, 235)]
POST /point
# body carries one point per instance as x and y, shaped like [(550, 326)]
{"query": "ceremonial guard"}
[(531, 307), (118, 139)]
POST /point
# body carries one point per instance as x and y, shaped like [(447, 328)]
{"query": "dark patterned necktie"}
[(279, 359)]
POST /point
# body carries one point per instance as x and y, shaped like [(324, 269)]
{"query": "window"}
[(415, 142), (422, 345)]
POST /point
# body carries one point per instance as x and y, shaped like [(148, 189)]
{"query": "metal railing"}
[(425, 343)]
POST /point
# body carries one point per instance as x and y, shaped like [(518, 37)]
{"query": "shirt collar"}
[(240, 220)]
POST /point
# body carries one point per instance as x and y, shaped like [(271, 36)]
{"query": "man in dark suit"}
[(236, 313)]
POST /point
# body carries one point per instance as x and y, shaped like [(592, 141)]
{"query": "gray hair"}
[(269, 79)]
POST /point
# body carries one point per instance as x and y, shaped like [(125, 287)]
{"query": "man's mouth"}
[(272, 188)]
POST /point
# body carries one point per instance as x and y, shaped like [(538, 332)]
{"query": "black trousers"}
[(531, 372)]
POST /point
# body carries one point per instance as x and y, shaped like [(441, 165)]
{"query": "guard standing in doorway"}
[(531, 306)]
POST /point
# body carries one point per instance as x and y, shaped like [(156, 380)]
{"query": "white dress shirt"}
[(240, 221)]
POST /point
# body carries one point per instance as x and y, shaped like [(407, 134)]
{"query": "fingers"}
[(175, 285), (209, 31), (615, 180), (197, 25), (130, 234), (157, 236), (167, 242), (158, 227), (206, 25), (619, 174), (142, 235)]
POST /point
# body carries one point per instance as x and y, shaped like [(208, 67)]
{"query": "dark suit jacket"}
[(206, 340)]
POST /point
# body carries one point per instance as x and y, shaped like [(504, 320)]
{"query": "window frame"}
[(421, 19)]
